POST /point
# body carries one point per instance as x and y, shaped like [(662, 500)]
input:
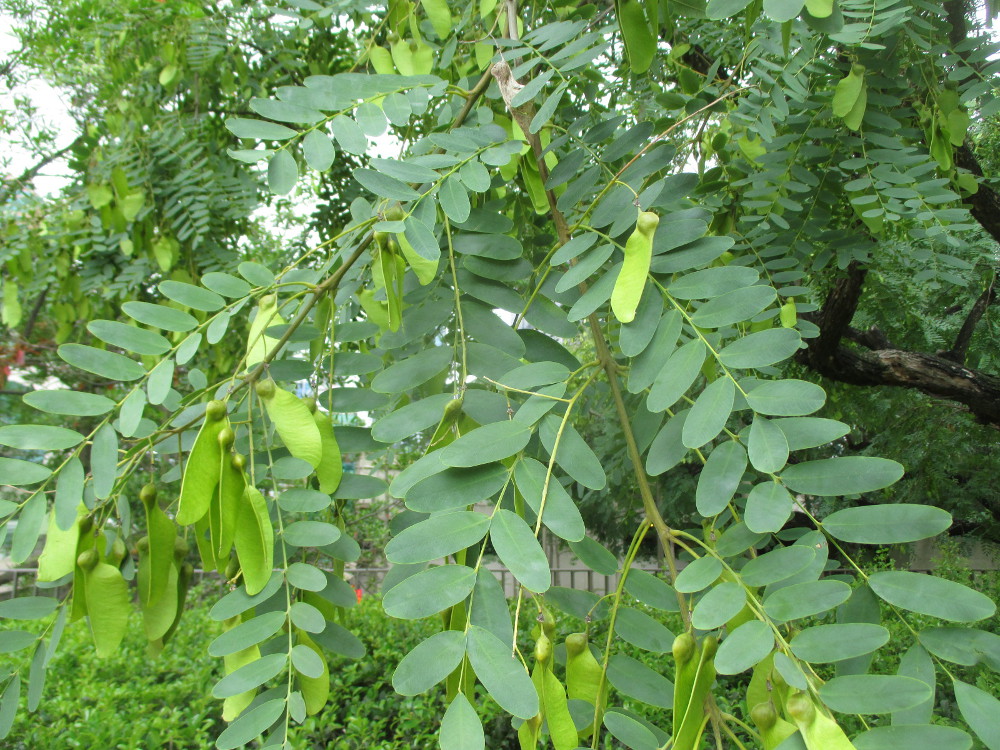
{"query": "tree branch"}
[(835, 316), (8, 190), (961, 346)]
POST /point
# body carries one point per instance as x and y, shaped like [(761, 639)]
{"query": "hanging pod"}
[(632, 277)]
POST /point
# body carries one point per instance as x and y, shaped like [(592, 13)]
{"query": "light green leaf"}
[(913, 737), (930, 595), (250, 725), (69, 403), (745, 647), (437, 537), (805, 599), (720, 477), (454, 200), (761, 349), (777, 565), (574, 456), (709, 414), (520, 551), (318, 151), (504, 678), (429, 662), (492, 442), (258, 129), (456, 488), (247, 633), (769, 505), (560, 515), (250, 676), (643, 631), (159, 316), (721, 604), (311, 534), (786, 398), (633, 678), (130, 338), (829, 643), (429, 591), (629, 732), (698, 575), (412, 371), (677, 375), (872, 694), (886, 524), (15, 472), (651, 591), (461, 728), (733, 307), (766, 445), (783, 10), (102, 363), (981, 710), (282, 172), (849, 475)]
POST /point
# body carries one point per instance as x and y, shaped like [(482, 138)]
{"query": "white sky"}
[(51, 110)]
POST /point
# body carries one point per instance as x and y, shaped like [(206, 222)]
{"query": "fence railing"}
[(23, 581)]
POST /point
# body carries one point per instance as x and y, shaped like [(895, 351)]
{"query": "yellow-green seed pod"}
[(632, 276)]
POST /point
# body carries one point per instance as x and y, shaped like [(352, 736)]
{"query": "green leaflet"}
[(633, 678), (429, 662), (295, 424), (461, 728), (315, 689), (517, 547), (201, 472), (254, 540), (501, 674)]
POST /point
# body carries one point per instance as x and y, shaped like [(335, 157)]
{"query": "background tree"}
[(643, 220)]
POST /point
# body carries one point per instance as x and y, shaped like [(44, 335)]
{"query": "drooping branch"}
[(9, 190), (964, 338), (882, 365)]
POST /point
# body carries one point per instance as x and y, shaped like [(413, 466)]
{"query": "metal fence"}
[(22, 581)]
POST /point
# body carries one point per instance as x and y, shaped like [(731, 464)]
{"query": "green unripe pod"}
[(86, 524), (148, 494), (268, 300), (88, 559), (452, 410), (764, 715), (381, 238), (394, 213), (310, 403), (543, 649), (800, 708), (632, 277), (575, 644), (265, 388), (548, 623), (683, 648), (143, 545), (239, 461), (181, 547), (215, 410), (232, 569), (226, 437)]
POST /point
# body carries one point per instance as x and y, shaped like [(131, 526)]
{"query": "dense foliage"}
[(568, 268)]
